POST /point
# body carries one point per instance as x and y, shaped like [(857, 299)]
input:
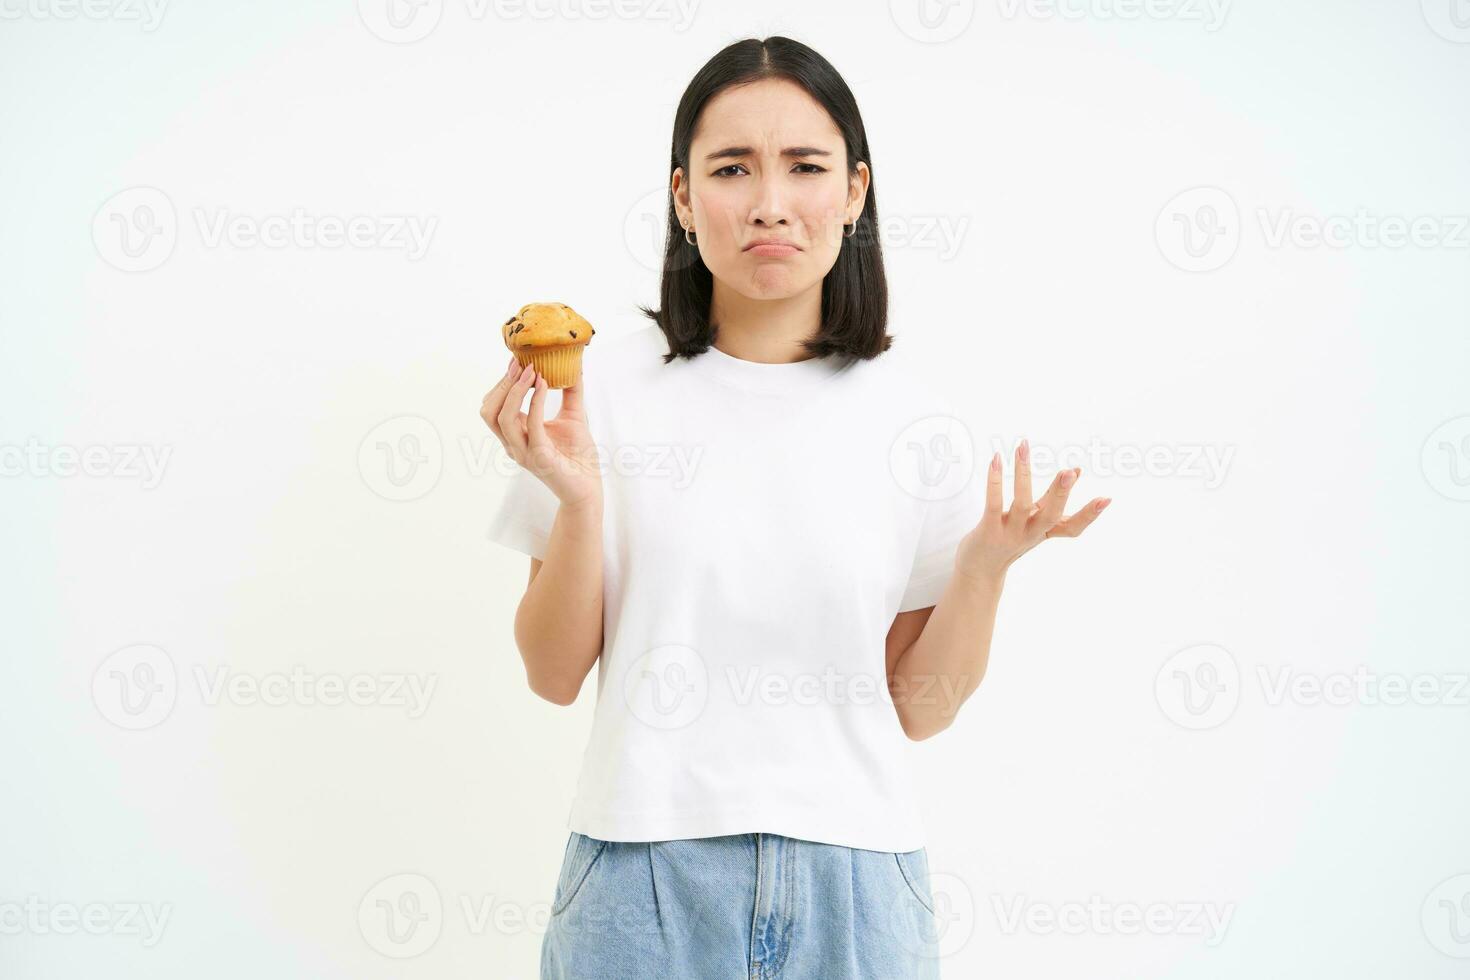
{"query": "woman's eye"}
[(815, 169), (721, 171)]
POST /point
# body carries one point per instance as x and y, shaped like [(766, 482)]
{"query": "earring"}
[(687, 238), (850, 230)]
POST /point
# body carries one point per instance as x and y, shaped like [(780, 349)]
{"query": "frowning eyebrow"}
[(745, 151)]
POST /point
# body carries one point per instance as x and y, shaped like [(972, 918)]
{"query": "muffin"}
[(549, 336)]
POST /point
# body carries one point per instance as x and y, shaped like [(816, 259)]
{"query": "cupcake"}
[(549, 336)]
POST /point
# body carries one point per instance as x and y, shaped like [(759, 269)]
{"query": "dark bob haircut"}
[(855, 291)]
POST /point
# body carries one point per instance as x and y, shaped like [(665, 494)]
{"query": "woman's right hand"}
[(559, 451)]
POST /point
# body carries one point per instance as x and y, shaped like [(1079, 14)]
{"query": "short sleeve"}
[(525, 514), (939, 466), (945, 522)]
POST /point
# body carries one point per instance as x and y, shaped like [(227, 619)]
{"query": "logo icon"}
[(401, 916), (942, 933), (1199, 229), (135, 230), (667, 687), (644, 228), (402, 458), (136, 687), (400, 21), (1450, 19), (1445, 459), (933, 458), (932, 21), (1445, 916), (1198, 687)]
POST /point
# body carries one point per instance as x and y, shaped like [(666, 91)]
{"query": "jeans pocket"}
[(577, 862), (914, 866)]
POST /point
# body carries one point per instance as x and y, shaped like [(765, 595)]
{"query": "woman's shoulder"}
[(615, 355)]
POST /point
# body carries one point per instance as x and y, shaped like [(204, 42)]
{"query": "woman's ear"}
[(679, 189), (857, 191)]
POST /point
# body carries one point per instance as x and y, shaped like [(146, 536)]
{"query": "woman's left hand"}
[(1003, 536)]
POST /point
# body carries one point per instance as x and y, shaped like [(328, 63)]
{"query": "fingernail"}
[(995, 462), (510, 369), (1103, 503), (1025, 451), (525, 372), (1068, 477)]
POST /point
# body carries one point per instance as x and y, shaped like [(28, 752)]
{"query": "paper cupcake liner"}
[(561, 366)]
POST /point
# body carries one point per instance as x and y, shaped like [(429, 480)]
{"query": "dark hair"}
[(854, 315)]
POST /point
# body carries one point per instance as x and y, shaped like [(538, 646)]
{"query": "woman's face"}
[(768, 163)]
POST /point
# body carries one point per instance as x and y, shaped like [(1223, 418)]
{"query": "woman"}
[(768, 538)]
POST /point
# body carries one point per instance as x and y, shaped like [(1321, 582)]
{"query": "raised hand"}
[(559, 451), (1002, 536)]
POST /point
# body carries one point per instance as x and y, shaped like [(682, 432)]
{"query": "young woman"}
[(769, 539)]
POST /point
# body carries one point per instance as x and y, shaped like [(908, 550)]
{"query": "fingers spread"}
[(1055, 500), (993, 489), (1075, 524), (1021, 495)]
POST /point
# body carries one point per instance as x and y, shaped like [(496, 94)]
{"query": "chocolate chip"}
[(509, 322), (572, 332)]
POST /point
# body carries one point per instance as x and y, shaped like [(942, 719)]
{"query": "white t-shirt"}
[(762, 525)]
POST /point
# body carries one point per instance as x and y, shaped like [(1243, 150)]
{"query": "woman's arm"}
[(558, 625), (937, 656)]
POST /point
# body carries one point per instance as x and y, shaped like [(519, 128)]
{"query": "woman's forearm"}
[(945, 665), (558, 625)]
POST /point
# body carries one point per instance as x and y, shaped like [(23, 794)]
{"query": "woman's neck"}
[(768, 331)]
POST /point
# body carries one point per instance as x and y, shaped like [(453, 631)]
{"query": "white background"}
[(1029, 162)]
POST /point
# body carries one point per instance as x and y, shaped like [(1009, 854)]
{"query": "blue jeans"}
[(739, 907)]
